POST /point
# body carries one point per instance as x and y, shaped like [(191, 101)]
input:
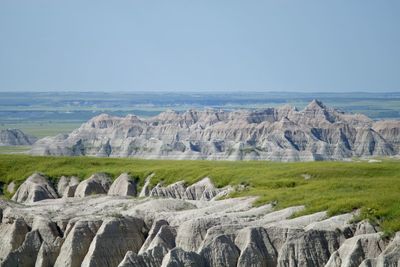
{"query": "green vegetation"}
[(42, 129), (14, 149), (337, 187)]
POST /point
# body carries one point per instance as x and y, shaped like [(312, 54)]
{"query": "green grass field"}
[(337, 187), (42, 129), (14, 149)]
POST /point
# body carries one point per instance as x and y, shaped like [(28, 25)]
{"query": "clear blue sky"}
[(337, 45)]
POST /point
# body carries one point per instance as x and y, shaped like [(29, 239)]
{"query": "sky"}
[(208, 45)]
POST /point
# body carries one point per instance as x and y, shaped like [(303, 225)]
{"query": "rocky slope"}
[(188, 226), (15, 137), (282, 134)]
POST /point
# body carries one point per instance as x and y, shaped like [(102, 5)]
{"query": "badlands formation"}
[(281, 134), (15, 137), (97, 222)]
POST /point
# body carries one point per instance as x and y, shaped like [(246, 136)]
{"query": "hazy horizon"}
[(205, 91), (180, 46)]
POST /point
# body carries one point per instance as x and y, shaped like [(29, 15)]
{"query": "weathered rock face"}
[(67, 185), (180, 258), (309, 248), (25, 255), (175, 190), (160, 240), (356, 249), (146, 187), (282, 134), (150, 258), (98, 183), (124, 185), (191, 233), (201, 190), (15, 137), (35, 188), (12, 235), (77, 242), (392, 253), (256, 248), (105, 230), (114, 238), (51, 241), (221, 251), (155, 228)]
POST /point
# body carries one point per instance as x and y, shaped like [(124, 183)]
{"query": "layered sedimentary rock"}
[(15, 137), (67, 185), (113, 239), (124, 185), (201, 190), (35, 188), (180, 227), (317, 132), (107, 230), (98, 183)]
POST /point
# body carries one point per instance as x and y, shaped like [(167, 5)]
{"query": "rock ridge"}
[(317, 132), (106, 230), (15, 137)]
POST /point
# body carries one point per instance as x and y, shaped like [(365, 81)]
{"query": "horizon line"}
[(200, 91)]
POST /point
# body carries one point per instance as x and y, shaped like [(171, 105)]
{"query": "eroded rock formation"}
[(35, 188), (124, 185), (15, 137), (98, 183), (283, 134), (176, 230)]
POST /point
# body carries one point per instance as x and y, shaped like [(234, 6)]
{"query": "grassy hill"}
[(337, 187)]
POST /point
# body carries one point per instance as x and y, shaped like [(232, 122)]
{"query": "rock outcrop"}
[(357, 249), (12, 235), (180, 258), (201, 190), (104, 230), (182, 226), (256, 248), (146, 187), (25, 255), (98, 183), (155, 228), (35, 188), (221, 251), (282, 134), (124, 185), (114, 238), (77, 242), (15, 137), (150, 258), (67, 185)]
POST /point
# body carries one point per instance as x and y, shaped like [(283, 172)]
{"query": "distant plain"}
[(50, 113)]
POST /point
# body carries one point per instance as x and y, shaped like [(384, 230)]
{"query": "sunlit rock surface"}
[(317, 132)]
